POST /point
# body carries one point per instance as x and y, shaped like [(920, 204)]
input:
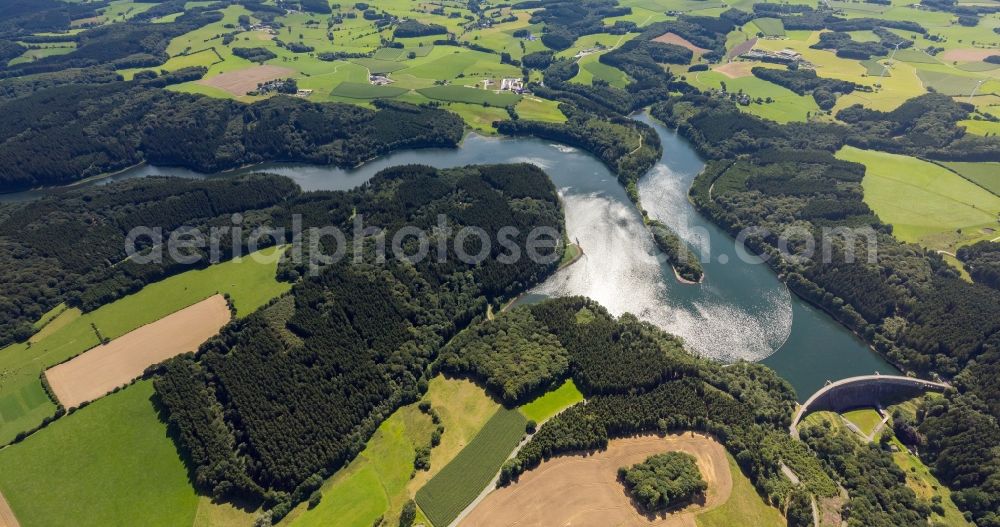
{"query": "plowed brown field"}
[(104, 368), (583, 491)]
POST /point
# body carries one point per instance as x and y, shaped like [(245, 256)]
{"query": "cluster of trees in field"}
[(909, 303), (256, 54), (67, 133), (120, 45), (681, 258), (925, 126), (879, 496), (71, 247), (293, 394), (801, 81), (664, 480), (567, 20), (799, 17), (706, 32), (641, 59), (847, 47), (413, 28)]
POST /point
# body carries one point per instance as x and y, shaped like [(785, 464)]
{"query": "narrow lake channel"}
[(740, 311)]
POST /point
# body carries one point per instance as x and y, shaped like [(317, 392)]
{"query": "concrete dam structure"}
[(866, 390)]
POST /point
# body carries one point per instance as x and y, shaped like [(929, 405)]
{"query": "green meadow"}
[(770, 27), (374, 485), (986, 175), (744, 506), (592, 68), (866, 419), (378, 482), (110, 463), (925, 203), (535, 109), (23, 402), (364, 90), (786, 105), (548, 405)]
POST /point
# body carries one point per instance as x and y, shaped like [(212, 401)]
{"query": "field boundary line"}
[(7, 518)]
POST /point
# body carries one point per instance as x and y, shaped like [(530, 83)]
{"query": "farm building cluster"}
[(784, 56)]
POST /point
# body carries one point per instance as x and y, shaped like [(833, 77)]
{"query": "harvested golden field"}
[(968, 54), (239, 82), (735, 70), (585, 491), (677, 40), (98, 371), (7, 518)]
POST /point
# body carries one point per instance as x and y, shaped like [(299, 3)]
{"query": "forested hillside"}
[(71, 247), (125, 45), (909, 304), (637, 379), (66, 133), (282, 398)]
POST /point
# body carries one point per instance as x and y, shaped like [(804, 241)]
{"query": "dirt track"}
[(674, 38), (582, 491), (102, 369), (7, 518), (239, 82)]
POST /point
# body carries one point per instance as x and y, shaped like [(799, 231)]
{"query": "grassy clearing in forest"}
[(551, 403)]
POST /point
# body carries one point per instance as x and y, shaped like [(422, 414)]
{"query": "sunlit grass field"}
[(925, 203)]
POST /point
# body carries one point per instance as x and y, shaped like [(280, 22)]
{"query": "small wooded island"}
[(682, 259)]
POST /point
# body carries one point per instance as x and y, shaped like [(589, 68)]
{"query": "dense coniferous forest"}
[(909, 304), (124, 45), (24, 17), (42, 139), (982, 261), (21, 86), (71, 247), (300, 391)]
